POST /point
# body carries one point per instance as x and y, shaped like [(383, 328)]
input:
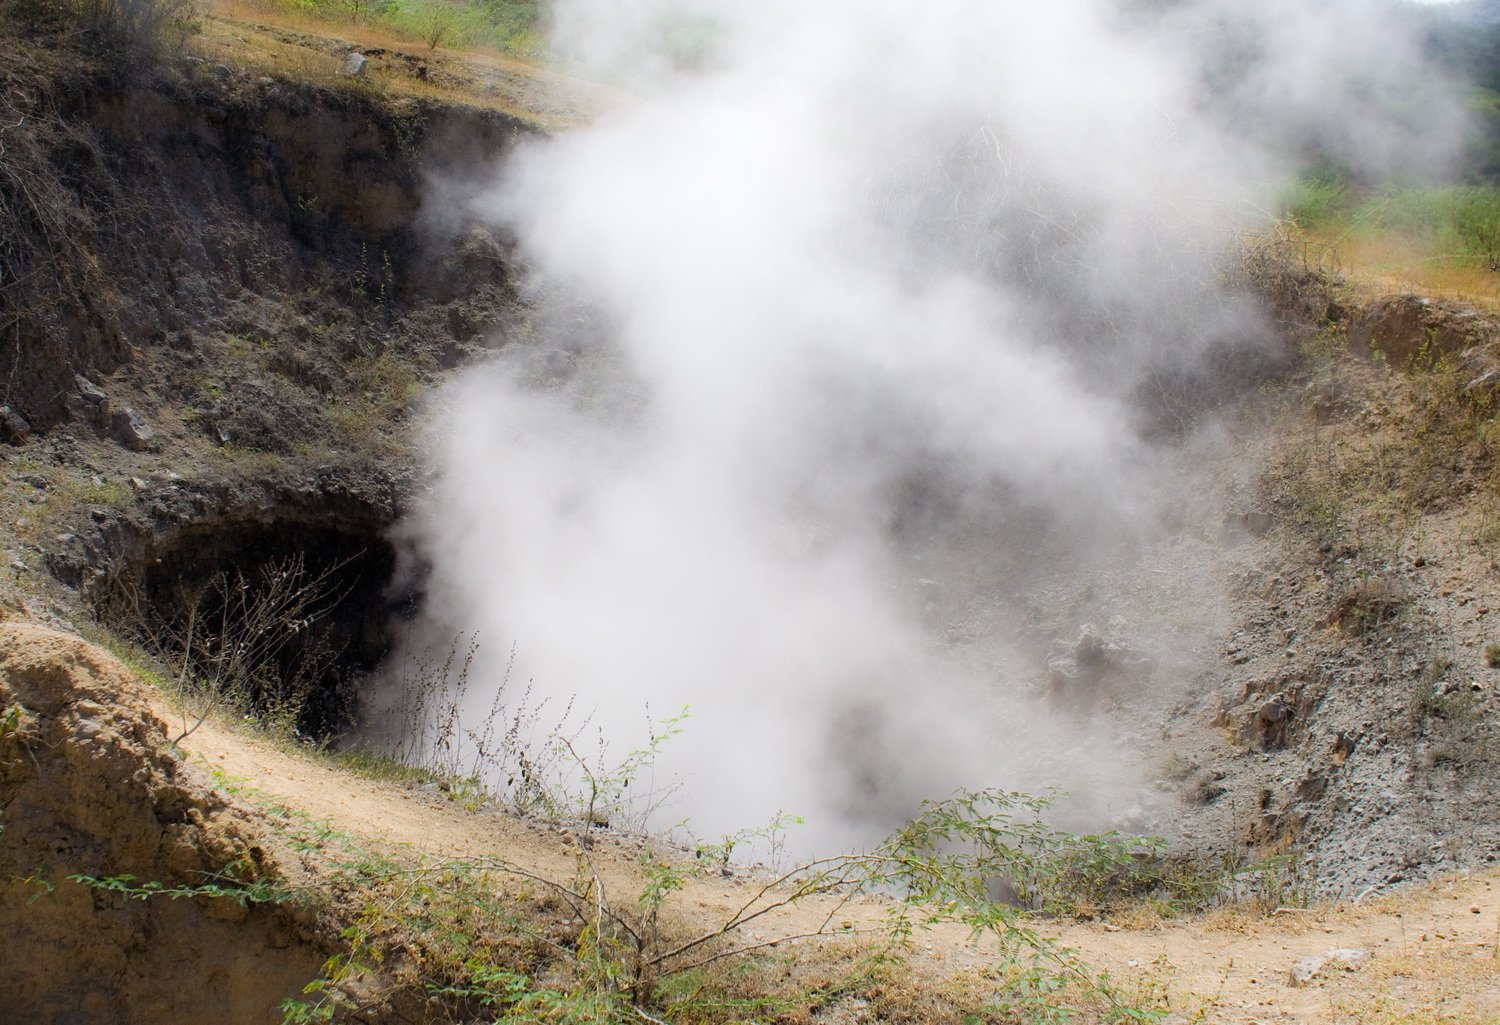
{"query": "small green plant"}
[(224, 885), (607, 787), (10, 720), (1492, 655), (107, 493), (329, 991), (507, 757), (1425, 703), (379, 766), (486, 930), (13, 734), (1476, 219)]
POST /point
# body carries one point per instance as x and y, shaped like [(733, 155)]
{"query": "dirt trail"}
[(1434, 957), (1434, 950)]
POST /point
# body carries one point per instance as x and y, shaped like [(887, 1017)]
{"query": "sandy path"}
[(1434, 958)]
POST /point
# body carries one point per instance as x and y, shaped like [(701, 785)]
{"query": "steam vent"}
[(738, 512)]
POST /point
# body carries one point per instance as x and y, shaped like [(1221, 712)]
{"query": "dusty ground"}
[(1434, 947), (278, 42)]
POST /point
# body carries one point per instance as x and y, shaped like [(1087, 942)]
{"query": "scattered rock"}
[(1309, 968), (89, 402), (15, 429), (1485, 382), (1255, 522), (1272, 712), (1095, 672), (1268, 726), (354, 65), (134, 432), (1343, 747), (1311, 786), (1238, 528), (88, 390)]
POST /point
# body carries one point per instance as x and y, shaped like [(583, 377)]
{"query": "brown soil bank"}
[(89, 788)]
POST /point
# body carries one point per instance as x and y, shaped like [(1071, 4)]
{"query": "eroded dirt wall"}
[(89, 787), (141, 208)]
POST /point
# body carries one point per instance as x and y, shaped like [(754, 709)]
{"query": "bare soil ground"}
[(276, 42), (1433, 949), (1434, 957)]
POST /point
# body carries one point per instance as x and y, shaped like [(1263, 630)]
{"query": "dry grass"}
[(364, 33), (1447, 983), (1382, 264), (267, 39), (1395, 448), (381, 390)]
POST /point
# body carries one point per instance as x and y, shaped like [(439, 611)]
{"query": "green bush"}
[(1476, 218), (1317, 203)]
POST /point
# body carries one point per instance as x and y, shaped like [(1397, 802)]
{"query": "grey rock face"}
[(134, 432), (14, 428)]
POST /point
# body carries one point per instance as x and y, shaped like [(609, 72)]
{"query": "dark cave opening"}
[(287, 617)]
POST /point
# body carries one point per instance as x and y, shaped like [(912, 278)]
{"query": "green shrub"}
[(1317, 203), (1476, 219), (1464, 220)]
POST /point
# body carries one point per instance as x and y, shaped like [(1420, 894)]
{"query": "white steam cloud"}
[(847, 338)]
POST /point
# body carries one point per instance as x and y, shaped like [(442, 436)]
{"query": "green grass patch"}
[(1458, 222), (509, 26)]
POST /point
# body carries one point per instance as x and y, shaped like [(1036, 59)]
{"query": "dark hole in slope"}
[(290, 615)]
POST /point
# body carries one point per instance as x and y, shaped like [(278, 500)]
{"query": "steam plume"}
[(849, 340)]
